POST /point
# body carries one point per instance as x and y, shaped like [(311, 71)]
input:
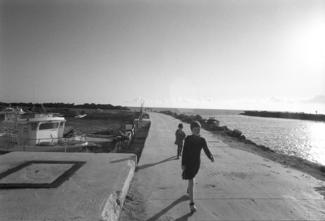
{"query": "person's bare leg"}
[(188, 188), (179, 150), (191, 193), (191, 189)]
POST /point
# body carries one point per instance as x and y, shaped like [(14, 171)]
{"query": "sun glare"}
[(316, 131), (317, 141), (308, 45)]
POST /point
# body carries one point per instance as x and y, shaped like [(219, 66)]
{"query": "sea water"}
[(300, 138)]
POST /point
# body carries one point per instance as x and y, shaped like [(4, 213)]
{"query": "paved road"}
[(238, 186)]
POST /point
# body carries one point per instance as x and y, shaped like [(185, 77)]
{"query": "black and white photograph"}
[(162, 110)]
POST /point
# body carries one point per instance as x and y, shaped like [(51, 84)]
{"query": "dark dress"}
[(191, 155)]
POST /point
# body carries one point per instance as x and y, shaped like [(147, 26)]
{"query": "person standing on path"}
[(180, 136), (191, 159)]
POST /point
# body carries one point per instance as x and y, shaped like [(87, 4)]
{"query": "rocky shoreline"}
[(224, 130), (236, 139)]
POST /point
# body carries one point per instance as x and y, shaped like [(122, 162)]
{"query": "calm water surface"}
[(301, 138)]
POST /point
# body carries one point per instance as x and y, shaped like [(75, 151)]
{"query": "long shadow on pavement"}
[(185, 217), (154, 164), (321, 190), (121, 160), (165, 210)]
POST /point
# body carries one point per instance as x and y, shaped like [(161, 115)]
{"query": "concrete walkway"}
[(238, 186)]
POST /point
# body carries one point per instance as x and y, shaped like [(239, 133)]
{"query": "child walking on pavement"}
[(191, 159), (180, 136)]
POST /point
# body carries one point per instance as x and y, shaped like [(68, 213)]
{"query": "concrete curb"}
[(115, 201), (96, 191)]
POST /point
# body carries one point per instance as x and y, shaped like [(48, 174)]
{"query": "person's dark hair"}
[(195, 124), (180, 125)]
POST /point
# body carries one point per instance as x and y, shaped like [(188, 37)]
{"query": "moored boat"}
[(38, 132)]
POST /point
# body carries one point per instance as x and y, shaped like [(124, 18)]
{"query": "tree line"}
[(288, 115), (65, 105)]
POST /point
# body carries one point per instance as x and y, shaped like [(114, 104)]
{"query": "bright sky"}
[(248, 54)]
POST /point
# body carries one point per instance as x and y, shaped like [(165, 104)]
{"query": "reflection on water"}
[(317, 141), (301, 138)]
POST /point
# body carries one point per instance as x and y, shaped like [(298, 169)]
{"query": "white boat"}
[(80, 116), (38, 132), (11, 114)]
